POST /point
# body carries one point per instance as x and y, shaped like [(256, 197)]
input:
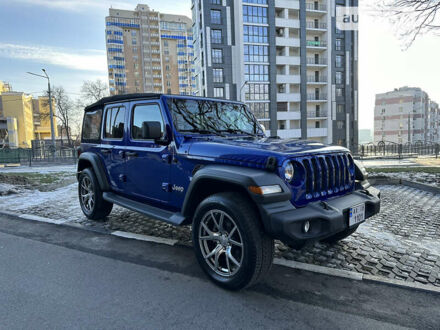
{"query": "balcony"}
[(317, 114), (316, 7), (316, 26), (288, 79), (288, 115), (320, 44), (288, 60), (287, 42), (288, 97), (313, 80), (316, 132), (321, 97), (289, 133), (287, 23), (288, 4), (316, 62)]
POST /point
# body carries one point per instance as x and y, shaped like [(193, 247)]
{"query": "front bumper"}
[(285, 222)]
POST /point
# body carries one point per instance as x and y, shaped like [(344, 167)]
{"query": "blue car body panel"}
[(161, 175)]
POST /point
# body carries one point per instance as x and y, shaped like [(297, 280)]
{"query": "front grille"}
[(327, 174)]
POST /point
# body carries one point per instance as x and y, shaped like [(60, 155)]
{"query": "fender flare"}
[(241, 177), (98, 168)]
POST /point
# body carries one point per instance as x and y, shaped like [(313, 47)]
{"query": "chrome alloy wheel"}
[(221, 243), (87, 194)]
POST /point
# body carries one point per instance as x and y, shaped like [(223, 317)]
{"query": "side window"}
[(145, 112), (114, 123), (91, 125)]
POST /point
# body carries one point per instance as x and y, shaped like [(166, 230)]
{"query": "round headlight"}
[(289, 172)]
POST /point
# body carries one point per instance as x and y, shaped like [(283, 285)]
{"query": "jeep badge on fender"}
[(238, 189)]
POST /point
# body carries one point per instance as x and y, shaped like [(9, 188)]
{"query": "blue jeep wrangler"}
[(207, 163)]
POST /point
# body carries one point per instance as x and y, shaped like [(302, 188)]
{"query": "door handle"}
[(131, 154), (105, 151)]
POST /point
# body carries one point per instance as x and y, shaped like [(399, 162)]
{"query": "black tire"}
[(99, 209), (257, 247), (340, 236)]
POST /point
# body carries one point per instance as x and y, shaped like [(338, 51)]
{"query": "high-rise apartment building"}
[(286, 59), (149, 52), (406, 115)]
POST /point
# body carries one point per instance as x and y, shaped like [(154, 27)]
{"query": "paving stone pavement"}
[(402, 242)]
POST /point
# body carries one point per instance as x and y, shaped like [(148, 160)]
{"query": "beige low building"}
[(24, 117)]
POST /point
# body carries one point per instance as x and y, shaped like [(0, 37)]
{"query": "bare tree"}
[(92, 91), (66, 112), (412, 18)]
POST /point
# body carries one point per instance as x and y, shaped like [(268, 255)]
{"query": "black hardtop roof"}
[(145, 96), (119, 98)]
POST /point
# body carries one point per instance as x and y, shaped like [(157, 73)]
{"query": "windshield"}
[(206, 117)]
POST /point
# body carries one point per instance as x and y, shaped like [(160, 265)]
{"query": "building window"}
[(256, 72), (338, 44), (340, 108), (216, 36), (169, 91), (340, 124), (216, 2), (217, 56), (258, 2), (252, 14), (167, 67), (339, 77), (217, 75), (255, 53), (218, 91), (216, 17), (255, 34), (339, 61), (256, 92), (339, 92), (317, 124), (260, 110)]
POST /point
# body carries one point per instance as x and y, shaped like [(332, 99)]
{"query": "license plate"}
[(356, 215)]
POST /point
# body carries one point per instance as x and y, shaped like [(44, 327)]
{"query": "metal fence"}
[(390, 149), (33, 156)]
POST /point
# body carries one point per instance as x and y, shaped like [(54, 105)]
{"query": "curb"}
[(277, 261), (385, 180)]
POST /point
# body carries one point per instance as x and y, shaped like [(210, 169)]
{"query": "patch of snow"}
[(7, 189), (37, 198), (39, 169), (391, 240)]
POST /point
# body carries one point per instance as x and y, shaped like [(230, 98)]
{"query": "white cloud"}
[(90, 60), (77, 5), (165, 6)]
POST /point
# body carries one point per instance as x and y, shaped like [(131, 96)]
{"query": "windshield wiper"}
[(237, 130), (201, 131)]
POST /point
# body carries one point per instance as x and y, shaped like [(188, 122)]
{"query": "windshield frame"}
[(257, 130)]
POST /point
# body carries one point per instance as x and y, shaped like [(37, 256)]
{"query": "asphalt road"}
[(62, 277)]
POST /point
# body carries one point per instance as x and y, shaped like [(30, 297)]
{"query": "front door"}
[(147, 163), (113, 144)]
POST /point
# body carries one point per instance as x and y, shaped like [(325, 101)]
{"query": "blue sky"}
[(66, 37)]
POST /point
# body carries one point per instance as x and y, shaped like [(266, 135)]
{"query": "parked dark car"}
[(207, 163)]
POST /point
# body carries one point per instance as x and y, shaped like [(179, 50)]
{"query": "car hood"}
[(257, 150)]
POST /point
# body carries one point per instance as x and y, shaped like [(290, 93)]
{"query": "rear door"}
[(147, 163), (113, 144)]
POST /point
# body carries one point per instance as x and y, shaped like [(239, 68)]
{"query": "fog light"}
[(306, 226)]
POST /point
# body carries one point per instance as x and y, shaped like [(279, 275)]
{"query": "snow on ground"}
[(67, 196), (389, 239), (427, 178), (40, 169)]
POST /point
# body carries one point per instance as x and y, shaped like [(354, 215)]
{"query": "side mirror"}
[(151, 130)]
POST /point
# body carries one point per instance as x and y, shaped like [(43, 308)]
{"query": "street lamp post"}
[(241, 89), (52, 129)]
